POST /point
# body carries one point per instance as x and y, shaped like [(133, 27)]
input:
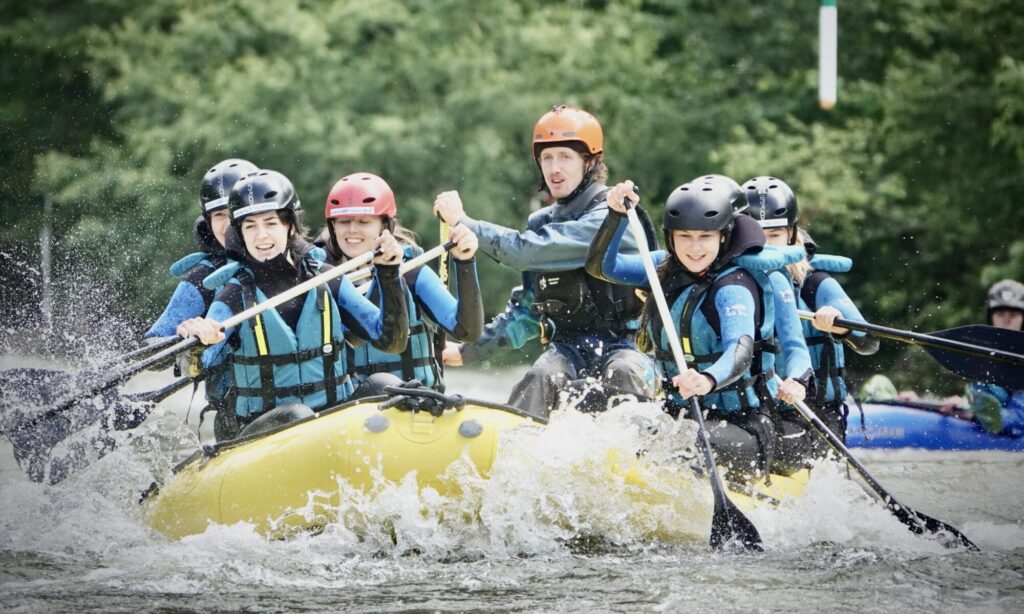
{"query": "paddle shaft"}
[(722, 502), (408, 265), (915, 521), (924, 340), (146, 350), (155, 396)]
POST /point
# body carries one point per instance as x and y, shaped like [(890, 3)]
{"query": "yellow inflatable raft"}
[(287, 480)]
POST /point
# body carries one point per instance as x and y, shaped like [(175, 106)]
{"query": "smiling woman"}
[(696, 249), (266, 235), (360, 208), (291, 355), (722, 305)]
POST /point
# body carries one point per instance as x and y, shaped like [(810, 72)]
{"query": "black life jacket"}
[(574, 301)]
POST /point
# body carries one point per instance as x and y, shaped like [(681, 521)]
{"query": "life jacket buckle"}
[(328, 349)]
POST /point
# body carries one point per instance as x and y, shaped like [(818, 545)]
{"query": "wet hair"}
[(800, 270), (670, 273), (404, 236)]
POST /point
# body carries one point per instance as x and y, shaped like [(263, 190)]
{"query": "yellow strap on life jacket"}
[(326, 324), (261, 336), (686, 345)]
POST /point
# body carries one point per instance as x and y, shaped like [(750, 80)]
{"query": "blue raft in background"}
[(898, 424)]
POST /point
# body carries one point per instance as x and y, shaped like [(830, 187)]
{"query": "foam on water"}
[(551, 525)]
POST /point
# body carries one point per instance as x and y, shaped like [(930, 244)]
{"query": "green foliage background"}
[(115, 110)]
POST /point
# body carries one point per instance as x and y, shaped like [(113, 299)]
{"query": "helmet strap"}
[(588, 178)]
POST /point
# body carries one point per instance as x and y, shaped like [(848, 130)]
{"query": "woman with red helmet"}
[(361, 206)]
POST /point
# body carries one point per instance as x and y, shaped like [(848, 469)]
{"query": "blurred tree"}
[(911, 174)]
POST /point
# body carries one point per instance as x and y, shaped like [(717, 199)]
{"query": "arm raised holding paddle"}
[(698, 224), (361, 207)]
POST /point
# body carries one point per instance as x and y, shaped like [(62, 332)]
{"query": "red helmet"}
[(567, 124), (360, 194)]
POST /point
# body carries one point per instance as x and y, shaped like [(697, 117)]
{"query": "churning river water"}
[(82, 545)]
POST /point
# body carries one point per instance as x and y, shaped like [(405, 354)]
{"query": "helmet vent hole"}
[(674, 213), (780, 211), (705, 189), (335, 201), (263, 173), (772, 186), (270, 194), (369, 199), (684, 189), (710, 213)]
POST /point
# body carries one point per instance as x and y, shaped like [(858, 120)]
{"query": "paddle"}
[(443, 268), (29, 383), (1001, 350), (405, 267), (728, 524), (184, 344), (34, 448), (915, 521)]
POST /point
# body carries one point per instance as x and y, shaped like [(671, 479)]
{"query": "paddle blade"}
[(921, 523), (731, 528), (978, 369)]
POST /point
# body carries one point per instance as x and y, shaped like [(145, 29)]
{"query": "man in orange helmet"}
[(586, 325)]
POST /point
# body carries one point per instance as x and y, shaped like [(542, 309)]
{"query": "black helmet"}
[(262, 191), (1005, 294), (700, 206), (740, 204), (771, 202), (218, 181)]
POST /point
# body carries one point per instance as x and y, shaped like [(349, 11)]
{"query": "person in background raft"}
[(773, 204), (191, 298), (999, 410), (586, 325), (279, 358), (715, 279), (359, 208)]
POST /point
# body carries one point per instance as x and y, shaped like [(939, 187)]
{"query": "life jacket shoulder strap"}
[(809, 289)]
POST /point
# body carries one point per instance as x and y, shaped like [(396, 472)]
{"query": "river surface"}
[(82, 545)]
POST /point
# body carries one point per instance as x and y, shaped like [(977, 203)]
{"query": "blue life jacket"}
[(216, 376), (419, 360), (184, 266), (827, 356), (698, 326), (275, 365)]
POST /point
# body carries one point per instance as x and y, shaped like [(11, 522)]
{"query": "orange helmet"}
[(566, 124)]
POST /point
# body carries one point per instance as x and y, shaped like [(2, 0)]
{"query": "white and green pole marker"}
[(828, 20)]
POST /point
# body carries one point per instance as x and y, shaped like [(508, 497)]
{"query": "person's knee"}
[(630, 375)]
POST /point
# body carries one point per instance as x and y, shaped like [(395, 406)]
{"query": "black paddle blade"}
[(731, 528), (35, 432), (921, 523), (995, 370)]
